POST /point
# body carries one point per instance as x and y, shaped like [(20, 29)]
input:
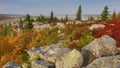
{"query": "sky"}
[(59, 7)]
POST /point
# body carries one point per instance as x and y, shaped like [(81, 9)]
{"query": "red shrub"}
[(112, 29)]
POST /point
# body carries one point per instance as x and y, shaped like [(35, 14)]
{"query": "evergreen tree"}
[(114, 15), (105, 14), (5, 29), (32, 20), (61, 18), (38, 19), (66, 17), (29, 25), (51, 16), (90, 18), (27, 17), (42, 18), (56, 19), (21, 23), (78, 14)]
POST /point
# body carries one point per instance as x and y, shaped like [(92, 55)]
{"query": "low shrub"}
[(112, 28)]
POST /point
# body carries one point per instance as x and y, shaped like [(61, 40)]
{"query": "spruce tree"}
[(21, 23), (90, 18), (66, 17), (4, 31), (78, 14), (105, 14), (42, 18), (114, 15), (27, 18), (38, 19), (51, 16), (29, 24), (55, 18)]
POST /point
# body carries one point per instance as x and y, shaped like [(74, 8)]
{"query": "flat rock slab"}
[(105, 62), (48, 53), (41, 64)]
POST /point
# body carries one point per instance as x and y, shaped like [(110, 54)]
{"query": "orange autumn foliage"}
[(21, 42), (5, 58)]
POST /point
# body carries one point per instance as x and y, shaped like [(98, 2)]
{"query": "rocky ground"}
[(100, 53)]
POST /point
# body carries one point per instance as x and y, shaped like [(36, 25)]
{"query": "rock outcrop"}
[(71, 60), (102, 46), (41, 64), (11, 64), (48, 53), (105, 62), (100, 53)]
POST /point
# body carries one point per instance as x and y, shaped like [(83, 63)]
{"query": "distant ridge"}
[(11, 15)]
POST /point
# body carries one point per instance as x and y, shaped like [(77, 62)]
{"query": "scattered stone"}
[(41, 64)]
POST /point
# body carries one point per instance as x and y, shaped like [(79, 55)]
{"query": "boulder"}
[(71, 60), (11, 64), (41, 64), (102, 46), (48, 53), (105, 62), (60, 25), (69, 22), (96, 26), (78, 22), (25, 65)]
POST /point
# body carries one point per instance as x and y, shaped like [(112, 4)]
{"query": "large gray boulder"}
[(41, 64), (71, 60), (105, 62), (102, 46), (48, 53), (11, 64)]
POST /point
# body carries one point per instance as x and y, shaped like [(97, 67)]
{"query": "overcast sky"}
[(60, 7)]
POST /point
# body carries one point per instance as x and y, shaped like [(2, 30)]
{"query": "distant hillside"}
[(84, 16), (4, 18), (11, 15)]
